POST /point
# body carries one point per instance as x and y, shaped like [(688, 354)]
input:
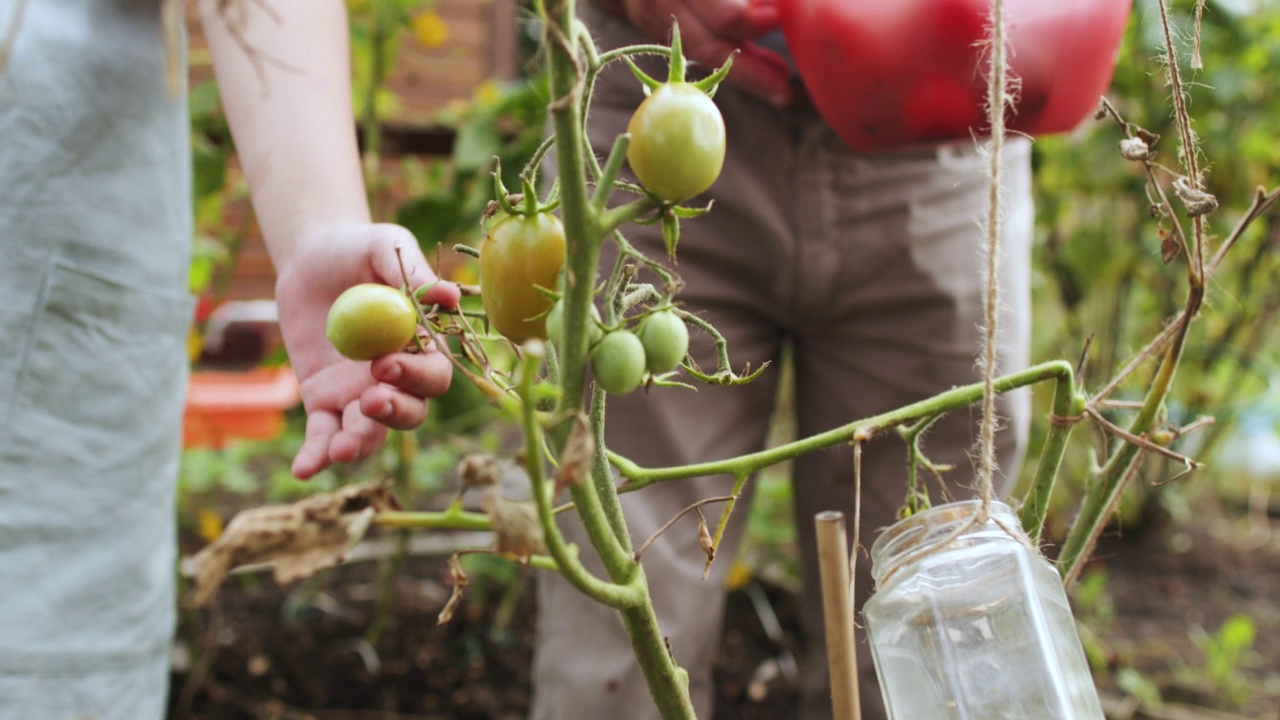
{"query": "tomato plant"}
[(677, 142), (665, 339), (370, 320), (617, 362), (520, 257)]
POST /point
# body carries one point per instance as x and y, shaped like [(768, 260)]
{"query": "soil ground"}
[(261, 651)]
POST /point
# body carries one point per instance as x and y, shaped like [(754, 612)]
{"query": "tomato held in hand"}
[(617, 362), (370, 320), (896, 74), (519, 255), (677, 142), (665, 339)]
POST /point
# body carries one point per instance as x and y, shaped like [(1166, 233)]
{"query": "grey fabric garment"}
[(871, 267), (95, 229)]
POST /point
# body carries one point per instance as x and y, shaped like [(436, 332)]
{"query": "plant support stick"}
[(837, 614)]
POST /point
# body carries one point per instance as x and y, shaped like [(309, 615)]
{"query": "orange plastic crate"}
[(250, 405)]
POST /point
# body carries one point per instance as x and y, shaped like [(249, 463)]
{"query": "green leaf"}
[(208, 167), (1238, 632), (476, 144)]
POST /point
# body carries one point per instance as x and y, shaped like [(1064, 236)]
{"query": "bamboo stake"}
[(837, 612)]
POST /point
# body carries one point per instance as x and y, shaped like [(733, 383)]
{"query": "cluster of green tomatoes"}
[(676, 151)]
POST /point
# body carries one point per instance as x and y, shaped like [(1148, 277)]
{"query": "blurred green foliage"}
[(1101, 282)]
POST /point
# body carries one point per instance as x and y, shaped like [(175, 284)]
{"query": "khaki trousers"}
[(872, 268)]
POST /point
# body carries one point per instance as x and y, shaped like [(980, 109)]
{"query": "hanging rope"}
[(997, 97)]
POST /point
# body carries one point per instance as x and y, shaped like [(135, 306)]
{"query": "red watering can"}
[(893, 73)]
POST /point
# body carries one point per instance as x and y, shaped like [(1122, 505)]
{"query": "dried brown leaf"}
[(479, 470), (579, 451), (1197, 201), (516, 529), (460, 582), (1170, 248), (705, 541), (299, 539)]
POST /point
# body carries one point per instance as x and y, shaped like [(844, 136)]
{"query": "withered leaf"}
[(1170, 248), (1197, 201), (575, 459), (479, 470), (705, 541), (516, 529), (300, 538), (460, 582)]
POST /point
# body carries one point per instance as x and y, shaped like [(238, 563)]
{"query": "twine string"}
[(997, 97)]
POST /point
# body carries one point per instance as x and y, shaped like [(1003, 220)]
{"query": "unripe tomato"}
[(519, 255), (617, 362), (370, 320), (665, 339), (555, 318), (677, 142)]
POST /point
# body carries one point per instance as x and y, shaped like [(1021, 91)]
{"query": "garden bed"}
[(260, 651)]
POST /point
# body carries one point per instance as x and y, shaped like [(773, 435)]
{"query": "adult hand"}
[(710, 30), (351, 404)]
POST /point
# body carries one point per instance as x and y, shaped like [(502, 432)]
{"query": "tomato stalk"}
[(963, 396), (1101, 496), (596, 501)]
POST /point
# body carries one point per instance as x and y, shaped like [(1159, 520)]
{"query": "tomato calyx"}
[(677, 71), (524, 202)]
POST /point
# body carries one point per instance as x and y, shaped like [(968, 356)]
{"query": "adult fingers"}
[(313, 456), (711, 30), (399, 401), (359, 437), (735, 19), (424, 376), (394, 255), (764, 73)]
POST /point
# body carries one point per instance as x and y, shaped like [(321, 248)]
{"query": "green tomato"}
[(665, 338), (677, 142), (555, 323), (518, 256), (370, 320), (617, 362)]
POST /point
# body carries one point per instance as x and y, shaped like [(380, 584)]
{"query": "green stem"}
[(455, 518), (616, 595), (614, 218), (726, 512), (369, 121), (1101, 496), (668, 682), (1068, 406), (602, 476), (612, 166), (954, 399), (582, 234)]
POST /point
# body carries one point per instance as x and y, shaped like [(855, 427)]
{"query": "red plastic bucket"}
[(893, 74)]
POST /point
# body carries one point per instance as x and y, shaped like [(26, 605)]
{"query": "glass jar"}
[(975, 626)]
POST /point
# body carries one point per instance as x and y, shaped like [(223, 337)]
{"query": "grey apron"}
[(94, 252)]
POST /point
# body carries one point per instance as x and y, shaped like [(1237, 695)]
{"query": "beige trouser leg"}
[(872, 267)]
